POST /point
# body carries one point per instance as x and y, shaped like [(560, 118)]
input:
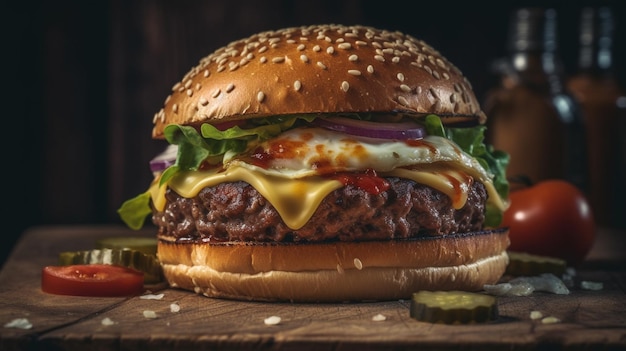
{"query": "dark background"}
[(84, 79)]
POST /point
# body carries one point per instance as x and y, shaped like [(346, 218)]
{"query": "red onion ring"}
[(165, 159), (399, 131)]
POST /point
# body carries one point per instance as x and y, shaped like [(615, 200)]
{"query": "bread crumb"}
[(536, 315), (273, 320)]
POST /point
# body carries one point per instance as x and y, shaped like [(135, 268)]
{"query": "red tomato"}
[(550, 218), (91, 280)]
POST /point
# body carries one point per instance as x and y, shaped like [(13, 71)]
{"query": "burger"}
[(325, 163)]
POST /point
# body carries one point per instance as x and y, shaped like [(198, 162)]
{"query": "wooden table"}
[(590, 320)]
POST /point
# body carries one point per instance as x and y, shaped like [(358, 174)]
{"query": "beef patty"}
[(238, 212)]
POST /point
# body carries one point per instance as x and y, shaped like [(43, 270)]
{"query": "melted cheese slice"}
[(292, 163)]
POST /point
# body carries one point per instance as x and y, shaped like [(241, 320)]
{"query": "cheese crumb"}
[(107, 321), (174, 308), (152, 297), (587, 285), (550, 320), (149, 314), (379, 318), (273, 320), (19, 323)]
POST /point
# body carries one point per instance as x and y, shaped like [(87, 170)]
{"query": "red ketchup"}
[(368, 181)]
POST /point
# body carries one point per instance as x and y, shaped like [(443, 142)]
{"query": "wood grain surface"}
[(589, 320)]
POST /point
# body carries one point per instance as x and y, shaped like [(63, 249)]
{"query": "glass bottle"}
[(603, 102), (529, 113)]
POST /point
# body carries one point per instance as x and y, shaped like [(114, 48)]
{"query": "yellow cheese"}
[(297, 199)]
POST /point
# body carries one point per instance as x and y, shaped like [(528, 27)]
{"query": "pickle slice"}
[(453, 307), (524, 264), (146, 245), (148, 264)]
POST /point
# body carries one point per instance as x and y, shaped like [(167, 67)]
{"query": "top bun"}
[(320, 69)]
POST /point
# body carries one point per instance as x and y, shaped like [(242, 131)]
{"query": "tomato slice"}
[(91, 280)]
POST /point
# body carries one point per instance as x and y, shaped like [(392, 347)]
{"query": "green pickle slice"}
[(146, 263), (524, 264), (453, 307), (146, 245)]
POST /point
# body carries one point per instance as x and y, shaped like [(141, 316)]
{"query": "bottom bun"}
[(338, 271)]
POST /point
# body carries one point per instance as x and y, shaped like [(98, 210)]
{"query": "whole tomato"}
[(550, 218)]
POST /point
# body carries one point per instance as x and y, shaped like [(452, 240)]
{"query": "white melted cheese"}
[(286, 170)]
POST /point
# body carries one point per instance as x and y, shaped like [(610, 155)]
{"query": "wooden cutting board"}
[(589, 320)]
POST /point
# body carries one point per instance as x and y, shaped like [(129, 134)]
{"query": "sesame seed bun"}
[(231, 227), (336, 271), (320, 69)]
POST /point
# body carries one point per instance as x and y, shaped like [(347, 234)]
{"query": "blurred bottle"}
[(603, 101), (529, 113)]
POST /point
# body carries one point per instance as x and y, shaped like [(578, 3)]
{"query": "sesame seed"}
[(317, 48), (345, 86), (297, 85), (262, 49), (221, 68), (301, 47), (353, 58), (354, 72), (340, 40), (291, 41), (379, 58), (400, 77), (321, 65), (445, 75), (198, 86), (260, 96), (330, 50), (203, 101), (395, 59), (263, 59), (433, 93), (230, 87), (388, 51), (206, 73), (436, 75), (216, 93), (405, 88), (345, 46), (428, 69), (370, 69), (189, 92), (175, 108), (188, 84), (358, 264), (453, 98), (279, 59), (350, 35), (328, 39), (402, 100), (339, 269)]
